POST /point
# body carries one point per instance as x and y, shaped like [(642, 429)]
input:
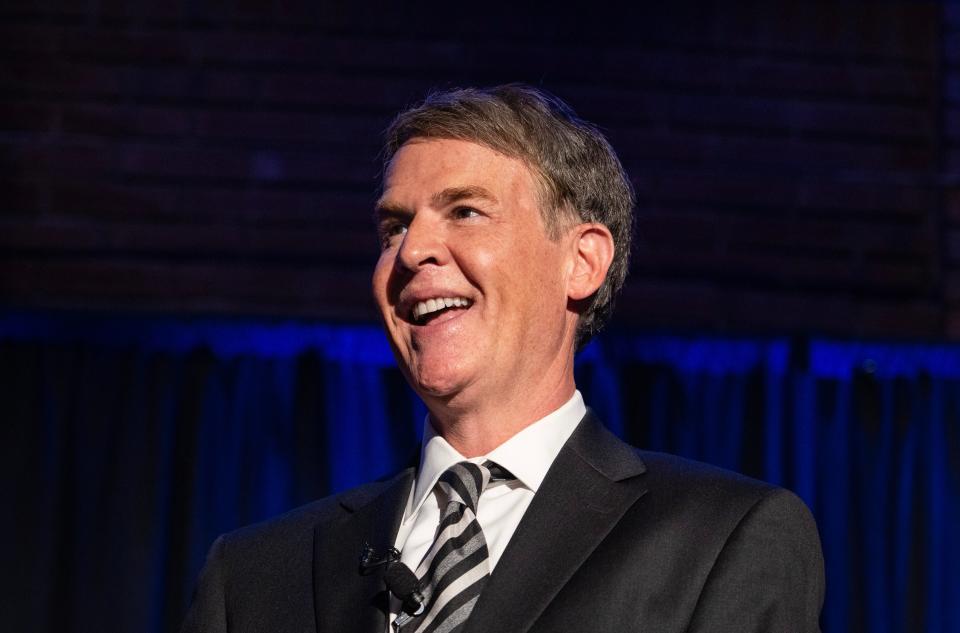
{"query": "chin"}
[(439, 382), (437, 387)]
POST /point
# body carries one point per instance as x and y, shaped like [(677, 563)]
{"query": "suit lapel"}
[(592, 482), (345, 601)]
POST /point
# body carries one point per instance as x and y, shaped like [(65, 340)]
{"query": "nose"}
[(422, 245)]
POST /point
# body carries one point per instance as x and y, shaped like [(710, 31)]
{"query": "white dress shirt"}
[(527, 455)]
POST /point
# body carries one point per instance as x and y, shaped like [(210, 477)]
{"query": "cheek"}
[(531, 277), (381, 277)]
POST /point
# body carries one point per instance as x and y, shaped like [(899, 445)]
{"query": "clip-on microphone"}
[(400, 580), (369, 560)]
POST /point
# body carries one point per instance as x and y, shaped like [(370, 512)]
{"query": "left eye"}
[(465, 212)]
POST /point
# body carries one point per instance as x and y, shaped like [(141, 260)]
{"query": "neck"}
[(478, 428)]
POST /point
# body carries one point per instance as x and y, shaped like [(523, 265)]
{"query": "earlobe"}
[(593, 252)]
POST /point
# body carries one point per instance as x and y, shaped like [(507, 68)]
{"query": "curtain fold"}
[(131, 443)]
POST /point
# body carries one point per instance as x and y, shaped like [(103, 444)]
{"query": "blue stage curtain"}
[(131, 443)]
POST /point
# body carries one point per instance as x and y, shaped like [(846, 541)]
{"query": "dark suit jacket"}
[(615, 540)]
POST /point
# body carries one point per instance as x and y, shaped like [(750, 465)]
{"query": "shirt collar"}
[(528, 454)]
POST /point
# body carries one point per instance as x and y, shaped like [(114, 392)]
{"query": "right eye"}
[(391, 230)]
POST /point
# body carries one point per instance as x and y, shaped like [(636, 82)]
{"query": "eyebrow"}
[(450, 195), (455, 194)]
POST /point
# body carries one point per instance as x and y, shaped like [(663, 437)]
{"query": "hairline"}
[(557, 217)]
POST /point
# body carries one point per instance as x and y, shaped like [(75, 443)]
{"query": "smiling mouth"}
[(424, 311)]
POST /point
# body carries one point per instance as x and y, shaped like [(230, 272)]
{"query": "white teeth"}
[(432, 305)]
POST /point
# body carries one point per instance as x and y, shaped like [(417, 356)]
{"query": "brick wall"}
[(951, 167), (797, 166)]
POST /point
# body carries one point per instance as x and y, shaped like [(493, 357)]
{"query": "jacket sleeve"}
[(769, 574), (208, 613)]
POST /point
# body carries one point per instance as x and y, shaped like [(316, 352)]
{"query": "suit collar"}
[(604, 451), (593, 481), (345, 601)]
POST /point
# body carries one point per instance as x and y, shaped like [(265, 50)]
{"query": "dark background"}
[(185, 251)]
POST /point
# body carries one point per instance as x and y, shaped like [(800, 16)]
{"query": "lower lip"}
[(446, 317)]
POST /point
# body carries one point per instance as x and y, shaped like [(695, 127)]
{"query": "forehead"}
[(424, 164)]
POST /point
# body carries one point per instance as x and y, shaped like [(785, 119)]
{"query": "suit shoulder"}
[(691, 486), (683, 473)]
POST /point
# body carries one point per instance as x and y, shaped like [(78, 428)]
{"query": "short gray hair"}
[(580, 175)]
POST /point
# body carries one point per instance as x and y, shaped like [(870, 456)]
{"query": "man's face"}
[(471, 290)]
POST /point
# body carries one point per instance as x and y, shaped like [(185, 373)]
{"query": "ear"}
[(593, 252)]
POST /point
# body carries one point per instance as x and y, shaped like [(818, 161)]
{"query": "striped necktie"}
[(456, 567)]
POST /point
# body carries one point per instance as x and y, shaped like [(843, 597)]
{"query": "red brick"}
[(151, 84), (838, 236), (266, 166), (145, 83), (809, 155), (782, 191), (373, 94), (107, 202), (951, 48), (186, 164), (903, 201), (127, 46), (815, 272), (874, 30), (360, 133), (951, 287), (952, 327), (951, 117), (951, 17), (29, 40), (53, 11), (130, 239), (227, 86), (647, 302), (656, 228), (26, 117), (278, 208), (890, 121), (190, 288), (769, 114), (63, 158), (773, 311), (60, 78), (831, 314), (700, 187), (260, 48), (125, 121), (951, 88), (22, 198), (916, 277), (115, 10), (952, 245), (829, 80), (900, 319), (952, 197), (952, 161)]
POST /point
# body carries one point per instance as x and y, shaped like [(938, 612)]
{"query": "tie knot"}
[(465, 482)]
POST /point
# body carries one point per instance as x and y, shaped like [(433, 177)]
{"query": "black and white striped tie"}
[(456, 567)]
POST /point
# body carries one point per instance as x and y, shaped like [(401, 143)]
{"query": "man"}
[(505, 227)]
